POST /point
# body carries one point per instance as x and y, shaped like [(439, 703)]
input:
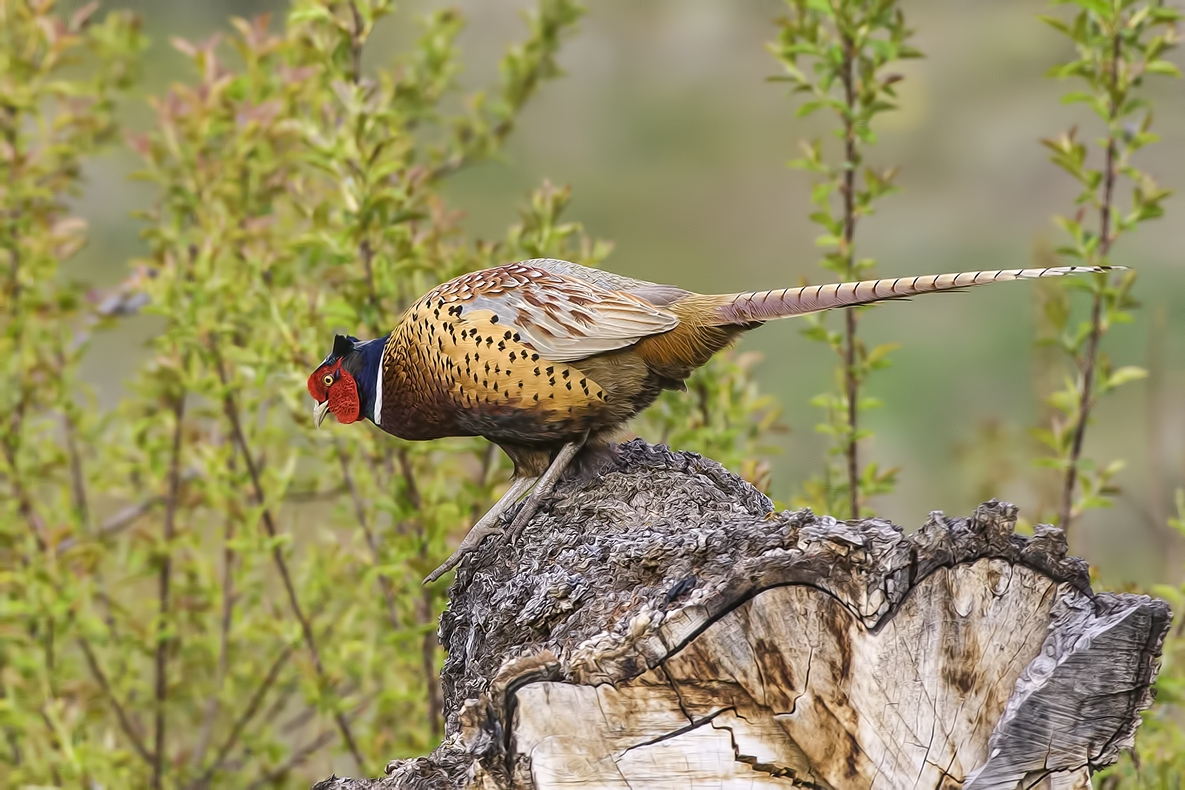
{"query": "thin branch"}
[(243, 720), (122, 519), (356, 44), (851, 380), (487, 463), (77, 479), (284, 695), (228, 605), (409, 479), (232, 414), (14, 255), (425, 611), (24, 503), (10, 735), (428, 644), (310, 712), (371, 541), (54, 741), (304, 752), (126, 516), (297, 758), (1089, 361), (315, 495), (366, 252), (125, 723), (166, 570)]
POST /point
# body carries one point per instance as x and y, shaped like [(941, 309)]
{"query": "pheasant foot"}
[(544, 487), (486, 525)]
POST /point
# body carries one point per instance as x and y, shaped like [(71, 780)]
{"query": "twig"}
[(487, 462), (298, 757), (309, 713), (314, 495), (54, 740), (425, 611), (356, 44), (427, 614), (166, 570), (228, 604), (409, 478), (125, 723), (1085, 394), (371, 541), (10, 735), (24, 503), (126, 516), (367, 255), (14, 254), (851, 381), (243, 720), (283, 697), (269, 524), (304, 752), (77, 479)]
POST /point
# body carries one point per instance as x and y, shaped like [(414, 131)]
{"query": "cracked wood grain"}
[(664, 628)]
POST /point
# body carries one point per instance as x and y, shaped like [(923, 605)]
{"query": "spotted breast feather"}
[(497, 353)]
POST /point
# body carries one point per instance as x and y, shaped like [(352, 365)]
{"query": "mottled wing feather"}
[(562, 317), (610, 281)]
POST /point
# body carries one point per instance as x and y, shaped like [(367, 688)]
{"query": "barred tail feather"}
[(755, 306)]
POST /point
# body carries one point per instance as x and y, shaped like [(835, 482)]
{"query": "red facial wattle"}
[(343, 399), (340, 394)]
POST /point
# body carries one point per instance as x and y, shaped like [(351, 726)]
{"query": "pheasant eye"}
[(327, 380)]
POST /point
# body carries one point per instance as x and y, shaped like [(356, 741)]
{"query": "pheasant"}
[(547, 358)]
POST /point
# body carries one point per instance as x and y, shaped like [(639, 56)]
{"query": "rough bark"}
[(661, 627)]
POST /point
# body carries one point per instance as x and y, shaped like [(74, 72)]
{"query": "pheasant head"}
[(345, 383)]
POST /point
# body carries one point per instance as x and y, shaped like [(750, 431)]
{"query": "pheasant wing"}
[(560, 316)]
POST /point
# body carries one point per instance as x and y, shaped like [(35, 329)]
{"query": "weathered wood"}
[(662, 627)]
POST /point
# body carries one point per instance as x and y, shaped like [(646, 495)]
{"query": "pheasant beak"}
[(319, 412)]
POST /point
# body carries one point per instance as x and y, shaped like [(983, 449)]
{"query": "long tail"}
[(767, 305)]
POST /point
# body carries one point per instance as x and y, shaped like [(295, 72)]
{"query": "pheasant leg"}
[(544, 487), (486, 525)]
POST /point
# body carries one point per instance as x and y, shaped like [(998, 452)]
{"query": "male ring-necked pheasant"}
[(546, 357)]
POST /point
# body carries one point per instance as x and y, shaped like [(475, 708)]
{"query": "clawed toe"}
[(515, 530), (486, 525), (467, 547)]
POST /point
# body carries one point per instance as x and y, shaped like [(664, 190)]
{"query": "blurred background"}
[(675, 145)]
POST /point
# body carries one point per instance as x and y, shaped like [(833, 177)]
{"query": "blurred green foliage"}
[(198, 589), (1158, 761), (1119, 43), (835, 54)]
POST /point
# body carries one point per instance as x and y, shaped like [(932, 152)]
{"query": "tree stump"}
[(662, 627)]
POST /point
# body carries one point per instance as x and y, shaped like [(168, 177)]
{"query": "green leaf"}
[(1124, 375), (1163, 67), (813, 106), (879, 354), (1079, 96), (1102, 8), (1055, 23)]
